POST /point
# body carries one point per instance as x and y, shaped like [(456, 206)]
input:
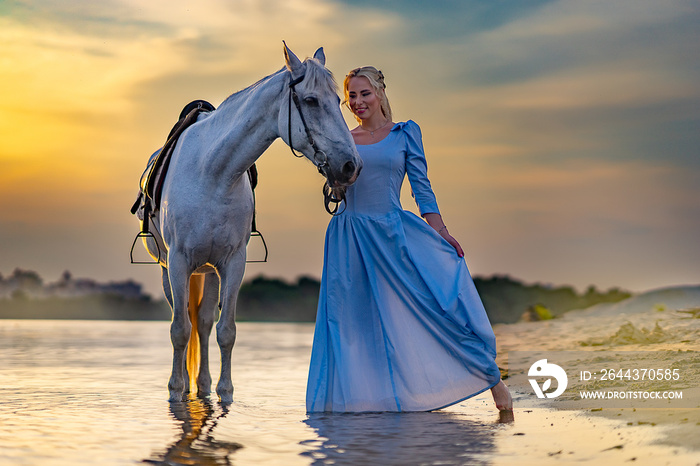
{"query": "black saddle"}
[(153, 178)]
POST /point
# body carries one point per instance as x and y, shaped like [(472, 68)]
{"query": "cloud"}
[(554, 129), (448, 20)]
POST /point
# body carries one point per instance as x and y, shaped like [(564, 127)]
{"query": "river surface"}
[(95, 392)]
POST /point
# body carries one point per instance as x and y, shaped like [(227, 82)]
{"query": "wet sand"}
[(601, 434), (555, 437)]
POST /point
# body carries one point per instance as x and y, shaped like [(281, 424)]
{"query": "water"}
[(94, 392)]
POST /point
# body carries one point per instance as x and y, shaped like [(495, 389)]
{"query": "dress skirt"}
[(400, 325)]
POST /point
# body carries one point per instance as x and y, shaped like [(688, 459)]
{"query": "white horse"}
[(206, 209)]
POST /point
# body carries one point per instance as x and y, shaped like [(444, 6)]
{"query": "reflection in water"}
[(400, 438), (197, 445), (68, 397)]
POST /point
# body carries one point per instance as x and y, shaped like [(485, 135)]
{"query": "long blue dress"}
[(400, 325)]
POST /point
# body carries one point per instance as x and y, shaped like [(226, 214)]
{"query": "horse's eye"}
[(313, 101)]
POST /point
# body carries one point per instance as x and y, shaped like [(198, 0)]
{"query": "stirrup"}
[(141, 235), (258, 234)]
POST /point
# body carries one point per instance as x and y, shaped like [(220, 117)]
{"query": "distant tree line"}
[(505, 299), (23, 295), (271, 299), (91, 307)]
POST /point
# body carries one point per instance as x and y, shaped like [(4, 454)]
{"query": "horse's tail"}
[(193, 349)]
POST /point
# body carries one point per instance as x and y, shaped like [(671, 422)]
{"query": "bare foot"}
[(501, 396), (506, 417)]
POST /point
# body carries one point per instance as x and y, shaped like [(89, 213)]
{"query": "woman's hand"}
[(435, 221), (450, 239)]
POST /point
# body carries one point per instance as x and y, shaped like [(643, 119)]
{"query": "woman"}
[(400, 326)]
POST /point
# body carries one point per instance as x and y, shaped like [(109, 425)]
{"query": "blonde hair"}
[(376, 80)]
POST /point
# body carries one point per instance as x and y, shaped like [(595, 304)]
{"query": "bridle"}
[(320, 157)]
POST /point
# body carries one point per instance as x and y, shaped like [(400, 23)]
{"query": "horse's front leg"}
[(179, 277), (226, 328), (166, 286), (205, 321)]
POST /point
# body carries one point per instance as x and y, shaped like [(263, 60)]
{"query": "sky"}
[(562, 136)]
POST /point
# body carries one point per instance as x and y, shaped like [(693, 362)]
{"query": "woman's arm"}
[(417, 170), (435, 221)]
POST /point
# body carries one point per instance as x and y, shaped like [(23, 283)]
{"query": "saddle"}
[(151, 183)]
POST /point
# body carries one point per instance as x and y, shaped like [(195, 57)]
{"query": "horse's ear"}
[(320, 56), (293, 63)]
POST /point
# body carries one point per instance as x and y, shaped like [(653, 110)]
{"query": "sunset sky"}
[(562, 136)]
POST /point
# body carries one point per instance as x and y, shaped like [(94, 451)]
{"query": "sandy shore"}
[(554, 437), (566, 430)]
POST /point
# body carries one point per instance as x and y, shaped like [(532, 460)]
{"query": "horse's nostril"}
[(349, 168)]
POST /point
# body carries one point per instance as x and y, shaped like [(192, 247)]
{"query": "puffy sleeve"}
[(417, 169)]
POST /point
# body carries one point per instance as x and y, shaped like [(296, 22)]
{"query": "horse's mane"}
[(317, 77)]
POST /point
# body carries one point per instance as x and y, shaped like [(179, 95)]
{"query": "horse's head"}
[(311, 121)]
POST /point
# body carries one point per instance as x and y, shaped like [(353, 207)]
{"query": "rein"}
[(320, 157)]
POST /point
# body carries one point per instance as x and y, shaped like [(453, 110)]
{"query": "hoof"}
[(203, 387), (177, 392), (226, 397), (176, 397), (225, 394)]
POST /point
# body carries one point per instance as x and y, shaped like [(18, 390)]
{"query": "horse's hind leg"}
[(179, 276), (206, 318), (226, 328)]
